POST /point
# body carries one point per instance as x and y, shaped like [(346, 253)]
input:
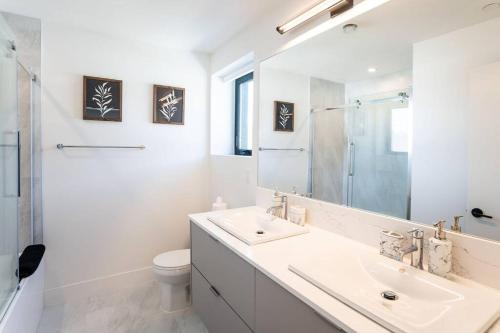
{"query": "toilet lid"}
[(173, 259)]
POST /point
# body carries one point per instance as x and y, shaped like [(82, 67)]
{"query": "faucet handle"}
[(456, 224), (416, 233)]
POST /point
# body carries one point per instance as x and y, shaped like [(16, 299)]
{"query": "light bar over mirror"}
[(334, 6)]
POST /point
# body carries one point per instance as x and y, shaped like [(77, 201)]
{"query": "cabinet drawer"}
[(212, 309), (229, 274), (280, 311)]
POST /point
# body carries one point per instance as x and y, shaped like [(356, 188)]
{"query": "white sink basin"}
[(425, 302), (253, 226)]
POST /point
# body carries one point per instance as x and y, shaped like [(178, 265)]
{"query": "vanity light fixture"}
[(334, 6), (372, 70)]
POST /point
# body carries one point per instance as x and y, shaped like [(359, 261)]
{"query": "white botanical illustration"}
[(169, 105), (103, 99), (284, 116)]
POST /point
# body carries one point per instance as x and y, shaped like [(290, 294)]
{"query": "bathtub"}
[(26, 308)]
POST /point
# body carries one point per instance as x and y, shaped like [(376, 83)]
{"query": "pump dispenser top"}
[(440, 233)]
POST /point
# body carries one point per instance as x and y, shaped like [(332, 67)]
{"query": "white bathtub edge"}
[(25, 311)]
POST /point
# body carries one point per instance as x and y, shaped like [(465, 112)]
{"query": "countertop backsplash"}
[(474, 258)]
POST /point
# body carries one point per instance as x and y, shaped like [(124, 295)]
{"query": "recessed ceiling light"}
[(491, 6), (372, 70), (350, 27)]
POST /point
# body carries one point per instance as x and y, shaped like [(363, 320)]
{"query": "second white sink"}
[(423, 302), (253, 226)]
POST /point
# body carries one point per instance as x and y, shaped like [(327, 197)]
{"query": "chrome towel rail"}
[(61, 146), (288, 149)]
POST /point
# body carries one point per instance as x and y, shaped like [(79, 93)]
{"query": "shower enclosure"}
[(9, 168), (20, 151), (360, 153)]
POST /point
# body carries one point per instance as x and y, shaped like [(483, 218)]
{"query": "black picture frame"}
[(284, 114), (102, 99), (168, 105)]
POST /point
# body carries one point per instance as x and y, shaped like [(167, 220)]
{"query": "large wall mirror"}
[(396, 112)]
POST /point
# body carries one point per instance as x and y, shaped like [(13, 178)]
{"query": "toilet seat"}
[(172, 271), (173, 260)]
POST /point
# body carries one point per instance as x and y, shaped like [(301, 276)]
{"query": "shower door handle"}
[(352, 156), (18, 164), (350, 172)]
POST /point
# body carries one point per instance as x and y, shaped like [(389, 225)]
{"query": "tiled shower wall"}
[(328, 141)]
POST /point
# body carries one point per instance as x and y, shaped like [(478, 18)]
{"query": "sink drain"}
[(389, 295), (260, 232)]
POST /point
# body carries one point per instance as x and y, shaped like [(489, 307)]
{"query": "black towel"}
[(30, 259)]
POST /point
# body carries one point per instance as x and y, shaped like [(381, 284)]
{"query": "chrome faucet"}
[(280, 206), (415, 249)]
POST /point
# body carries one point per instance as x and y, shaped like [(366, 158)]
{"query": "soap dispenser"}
[(440, 251), (219, 204)]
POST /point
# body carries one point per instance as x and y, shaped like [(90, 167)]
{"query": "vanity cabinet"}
[(277, 310), (229, 277), (213, 309), (231, 296)]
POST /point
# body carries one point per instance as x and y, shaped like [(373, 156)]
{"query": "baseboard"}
[(76, 292), (25, 311)]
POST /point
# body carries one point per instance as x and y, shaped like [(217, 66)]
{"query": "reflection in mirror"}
[(395, 113)]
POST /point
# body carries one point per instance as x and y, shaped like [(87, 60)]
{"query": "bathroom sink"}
[(400, 297), (253, 226)]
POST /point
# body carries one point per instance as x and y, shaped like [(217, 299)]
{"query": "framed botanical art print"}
[(102, 99), (168, 105), (283, 116)]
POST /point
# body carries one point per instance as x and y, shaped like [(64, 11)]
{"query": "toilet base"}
[(175, 297)]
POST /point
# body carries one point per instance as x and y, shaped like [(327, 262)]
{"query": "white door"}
[(484, 151)]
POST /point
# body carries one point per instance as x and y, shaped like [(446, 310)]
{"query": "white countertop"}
[(273, 259)]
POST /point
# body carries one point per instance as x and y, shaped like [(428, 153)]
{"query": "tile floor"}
[(131, 311)]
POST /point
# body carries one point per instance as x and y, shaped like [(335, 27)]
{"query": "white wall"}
[(233, 178), (483, 119), (379, 84), (284, 169), (441, 69), (109, 211)]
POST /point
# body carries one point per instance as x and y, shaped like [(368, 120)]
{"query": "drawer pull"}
[(328, 321), (214, 291)]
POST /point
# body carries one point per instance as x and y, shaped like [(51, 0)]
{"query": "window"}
[(243, 115), (400, 127)]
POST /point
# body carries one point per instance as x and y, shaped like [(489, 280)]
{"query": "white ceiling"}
[(200, 25), (383, 40)]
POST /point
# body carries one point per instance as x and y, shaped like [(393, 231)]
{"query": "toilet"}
[(172, 271)]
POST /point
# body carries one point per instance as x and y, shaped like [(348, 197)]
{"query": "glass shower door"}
[(9, 162), (379, 155)]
